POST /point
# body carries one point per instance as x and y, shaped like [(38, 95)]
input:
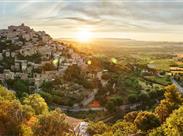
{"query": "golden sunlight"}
[(84, 35), (89, 62), (114, 60)]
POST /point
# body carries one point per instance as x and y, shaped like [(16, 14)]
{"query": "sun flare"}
[(84, 35)]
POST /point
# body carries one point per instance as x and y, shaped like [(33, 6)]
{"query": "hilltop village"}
[(26, 54), (33, 62)]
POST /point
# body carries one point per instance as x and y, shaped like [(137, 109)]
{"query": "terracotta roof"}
[(94, 104)]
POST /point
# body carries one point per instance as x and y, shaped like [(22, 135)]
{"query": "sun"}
[(84, 35)]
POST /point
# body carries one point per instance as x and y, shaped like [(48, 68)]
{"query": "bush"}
[(37, 103), (51, 124), (124, 128), (97, 128), (146, 121), (133, 98), (131, 116), (47, 96)]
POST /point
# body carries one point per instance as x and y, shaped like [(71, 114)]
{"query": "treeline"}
[(30, 116), (165, 120)]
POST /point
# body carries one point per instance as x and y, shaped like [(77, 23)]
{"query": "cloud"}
[(107, 16)]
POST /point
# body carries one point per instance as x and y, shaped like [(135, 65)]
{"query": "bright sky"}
[(160, 20)]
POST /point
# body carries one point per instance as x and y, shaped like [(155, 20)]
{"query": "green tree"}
[(25, 130), (11, 117), (146, 121), (47, 86), (131, 116), (132, 82), (123, 128), (6, 94), (173, 95), (51, 124), (37, 103), (164, 109), (110, 105), (174, 124), (117, 100), (154, 94), (172, 101), (144, 98), (113, 102), (20, 87), (159, 131), (47, 96), (133, 98), (97, 128), (27, 111)]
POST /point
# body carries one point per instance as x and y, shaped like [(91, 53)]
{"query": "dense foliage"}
[(29, 117), (165, 120)]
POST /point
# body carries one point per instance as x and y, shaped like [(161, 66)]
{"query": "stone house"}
[(17, 66), (28, 50), (8, 74), (12, 54), (7, 54)]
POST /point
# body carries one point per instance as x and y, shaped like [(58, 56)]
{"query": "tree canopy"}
[(29, 118), (37, 103), (51, 124), (146, 121)]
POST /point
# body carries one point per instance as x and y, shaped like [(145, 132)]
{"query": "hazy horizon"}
[(119, 39)]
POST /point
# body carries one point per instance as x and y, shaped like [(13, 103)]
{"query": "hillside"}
[(33, 62), (61, 87)]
